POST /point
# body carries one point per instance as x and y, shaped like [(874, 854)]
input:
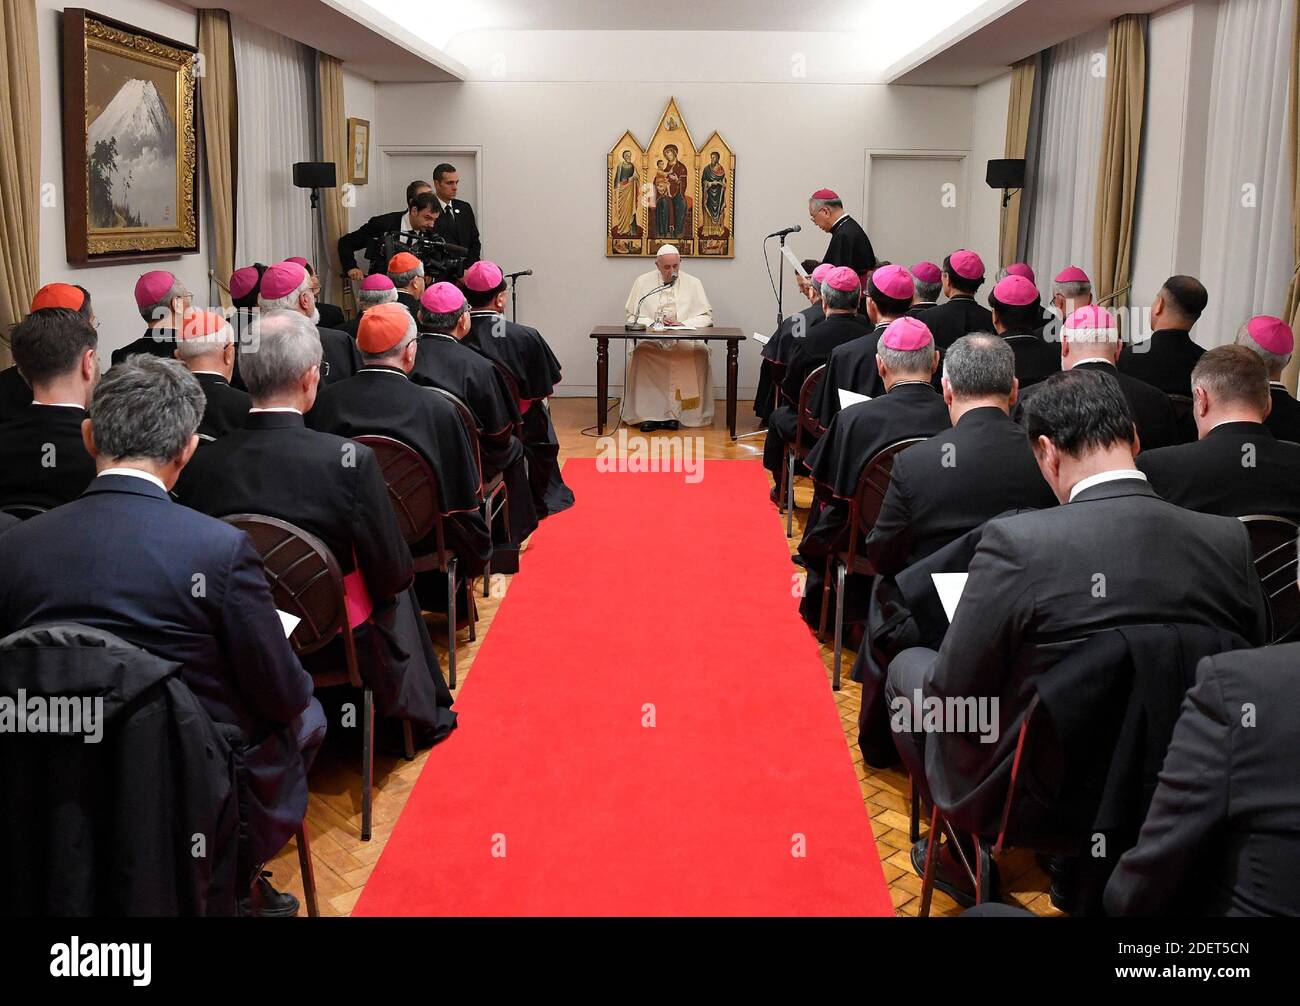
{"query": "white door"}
[(916, 204), (401, 167)]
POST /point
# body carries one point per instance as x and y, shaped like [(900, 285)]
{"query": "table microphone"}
[(634, 325)]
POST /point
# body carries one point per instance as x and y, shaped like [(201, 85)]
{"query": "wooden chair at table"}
[(417, 501), (488, 491), (1273, 544), (805, 435), (864, 508), (306, 581)]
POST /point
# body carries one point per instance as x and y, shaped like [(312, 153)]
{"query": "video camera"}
[(442, 261)]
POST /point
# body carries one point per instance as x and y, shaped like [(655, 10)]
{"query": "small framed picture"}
[(359, 144)]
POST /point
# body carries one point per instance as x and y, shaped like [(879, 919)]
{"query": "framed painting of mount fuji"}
[(130, 177)]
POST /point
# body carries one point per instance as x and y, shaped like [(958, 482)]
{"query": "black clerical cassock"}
[(849, 246), (43, 461), (226, 406), (528, 358), (851, 367), (777, 351), (959, 315), (154, 342), (334, 489), (1283, 420), (15, 395)]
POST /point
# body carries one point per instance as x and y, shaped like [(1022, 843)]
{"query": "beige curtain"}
[(1121, 142), (334, 147), (1292, 310), (1019, 108), (217, 101), (20, 163)]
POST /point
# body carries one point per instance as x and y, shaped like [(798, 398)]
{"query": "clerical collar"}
[(438, 335), (380, 369), (1279, 385), (839, 221), (1096, 359), (210, 373), (278, 408), (60, 405), (899, 384), (1114, 475), (486, 313), (134, 473), (923, 303)]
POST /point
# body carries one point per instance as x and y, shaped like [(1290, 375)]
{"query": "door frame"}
[(436, 152), (895, 153)]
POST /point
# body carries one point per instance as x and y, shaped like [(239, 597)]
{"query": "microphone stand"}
[(635, 325), (780, 283), (514, 305)]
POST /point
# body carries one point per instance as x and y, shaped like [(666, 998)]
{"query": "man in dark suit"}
[(962, 275), (852, 366), (1272, 339), (928, 279), (407, 273), (1042, 583), (15, 394), (849, 244), (909, 408), (334, 489), (164, 302), (124, 558), (206, 345), (287, 287), (524, 354), (443, 361), (980, 468), (840, 295), (1090, 340), (1237, 467), (1017, 317), (455, 217), (382, 400), (1167, 358), (43, 461), (420, 215), (1222, 834)]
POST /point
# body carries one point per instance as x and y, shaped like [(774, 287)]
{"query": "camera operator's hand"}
[(356, 274)]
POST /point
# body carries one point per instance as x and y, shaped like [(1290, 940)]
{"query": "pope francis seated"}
[(669, 381)]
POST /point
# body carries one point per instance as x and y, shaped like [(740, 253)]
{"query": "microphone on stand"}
[(782, 233), (634, 325), (514, 303), (521, 272)]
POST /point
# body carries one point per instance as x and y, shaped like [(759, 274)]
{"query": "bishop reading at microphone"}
[(669, 381)]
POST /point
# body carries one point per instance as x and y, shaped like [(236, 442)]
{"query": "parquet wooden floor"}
[(343, 862)]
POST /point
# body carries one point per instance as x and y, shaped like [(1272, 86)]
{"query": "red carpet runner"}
[(653, 597)]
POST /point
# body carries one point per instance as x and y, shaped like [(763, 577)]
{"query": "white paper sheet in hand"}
[(949, 586), (288, 621), (761, 339), (848, 398)]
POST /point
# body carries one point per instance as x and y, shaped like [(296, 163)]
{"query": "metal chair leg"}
[(308, 871), (408, 741), (927, 879), (473, 613), (789, 493), (826, 601), (839, 623), (487, 568), (367, 759), (451, 624), (914, 823), (983, 872)]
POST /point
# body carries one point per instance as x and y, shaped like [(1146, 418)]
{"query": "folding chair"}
[(1273, 543), (796, 451)]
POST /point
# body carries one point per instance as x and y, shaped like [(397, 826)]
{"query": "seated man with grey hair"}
[(1071, 290), (288, 287), (334, 489), (1273, 341), (407, 273), (374, 290), (125, 559), (163, 302), (206, 345)]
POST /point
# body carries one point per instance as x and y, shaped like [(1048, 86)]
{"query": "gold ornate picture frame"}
[(130, 144), (358, 151)]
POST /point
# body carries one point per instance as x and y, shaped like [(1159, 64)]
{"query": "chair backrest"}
[(869, 495), (1182, 405), (23, 511), (1273, 543), (807, 422), (513, 385), (470, 422), (306, 581), (412, 487)]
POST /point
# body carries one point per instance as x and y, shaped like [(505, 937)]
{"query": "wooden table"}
[(733, 337)]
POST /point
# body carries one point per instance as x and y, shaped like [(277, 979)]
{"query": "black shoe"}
[(649, 426), (799, 560), (670, 424), (949, 875), (268, 903)]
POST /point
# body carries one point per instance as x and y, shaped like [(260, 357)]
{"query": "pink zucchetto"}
[(843, 278), (966, 264), (1015, 291), (378, 281), (927, 272), (483, 276), (1072, 274), (1273, 334), (1021, 269), (906, 334), (820, 273), (825, 194), (242, 282), (894, 281), (442, 298), (282, 279), (298, 260), (1090, 324), (153, 287)]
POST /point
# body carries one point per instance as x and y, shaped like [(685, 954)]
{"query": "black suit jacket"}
[(1036, 359), (1283, 420), (1041, 583), (953, 483), (341, 357), (186, 588), (226, 406), (1166, 361), (954, 318), (15, 395), (359, 240), (42, 459), (1154, 417), (1236, 469), (850, 246), (851, 366), (1226, 812), (458, 226), (155, 342), (325, 484)]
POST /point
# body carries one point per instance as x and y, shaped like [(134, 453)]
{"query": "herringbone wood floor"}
[(343, 862)]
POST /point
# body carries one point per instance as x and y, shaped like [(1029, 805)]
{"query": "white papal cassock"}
[(669, 379)]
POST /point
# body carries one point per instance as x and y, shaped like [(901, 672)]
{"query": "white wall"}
[(111, 286), (988, 142), (360, 101), (542, 204)]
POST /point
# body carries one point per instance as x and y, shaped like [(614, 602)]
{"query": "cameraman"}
[(422, 208)]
